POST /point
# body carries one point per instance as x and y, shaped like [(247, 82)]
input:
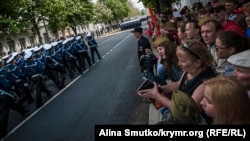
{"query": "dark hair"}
[(194, 23), (183, 10), (203, 10), (233, 1), (241, 20), (233, 39), (171, 58), (182, 27)]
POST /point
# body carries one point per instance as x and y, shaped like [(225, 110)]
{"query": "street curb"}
[(154, 115)]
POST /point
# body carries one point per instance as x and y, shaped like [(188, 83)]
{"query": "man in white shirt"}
[(209, 29)]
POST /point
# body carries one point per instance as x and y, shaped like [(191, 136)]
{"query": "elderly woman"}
[(235, 106), (196, 63)]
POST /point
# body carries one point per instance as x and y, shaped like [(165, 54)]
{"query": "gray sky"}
[(137, 5)]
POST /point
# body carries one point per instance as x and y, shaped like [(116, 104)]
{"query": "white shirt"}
[(220, 63)]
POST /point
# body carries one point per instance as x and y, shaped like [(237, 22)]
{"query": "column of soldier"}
[(24, 73)]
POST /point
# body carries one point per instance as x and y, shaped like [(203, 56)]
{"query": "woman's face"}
[(222, 51), (161, 52), (186, 63), (247, 19), (207, 103), (190, 32), (180, 34)]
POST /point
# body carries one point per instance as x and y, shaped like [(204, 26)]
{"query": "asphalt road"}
[(104, 94)]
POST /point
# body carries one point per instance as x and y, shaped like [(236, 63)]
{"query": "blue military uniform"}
[(59, 50), (7, 100), (54, 61), (34, 70), (93, 47), (5, 79), (82, 52), (69, 54), (20, 82)]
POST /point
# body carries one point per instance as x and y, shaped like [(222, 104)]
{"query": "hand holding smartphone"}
[(147, 84)]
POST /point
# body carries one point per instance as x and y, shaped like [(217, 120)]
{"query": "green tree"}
[(102, 13), (16, 16), (78, 12), (11, 19), (119, 8), (160, 5), (30, 14), (55, 15)]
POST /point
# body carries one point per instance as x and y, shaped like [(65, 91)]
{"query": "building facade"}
[(17, 42)]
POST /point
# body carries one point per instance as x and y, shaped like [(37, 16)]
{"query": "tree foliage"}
[(154, 3), (102, 13), (159, 5), (133, 11), (20, 15), (120, 9)]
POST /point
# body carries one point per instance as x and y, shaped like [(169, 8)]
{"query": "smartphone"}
[(147, 84)]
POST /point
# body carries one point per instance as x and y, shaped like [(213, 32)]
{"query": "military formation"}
[(23, 74)]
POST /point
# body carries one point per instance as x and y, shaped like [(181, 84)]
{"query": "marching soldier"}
[(5, 81), (54, 61), (59, 50), (7, 102), (68, 52), (82, 52), (19, 81), (6, 90), (19, 59), (93, 47), (39, 55), (34, 71)]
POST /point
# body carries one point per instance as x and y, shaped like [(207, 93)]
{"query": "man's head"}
[(219, 13), (209, 29), (137, 32), (28, 55), (214, 2), (231, 5), (241, 62)]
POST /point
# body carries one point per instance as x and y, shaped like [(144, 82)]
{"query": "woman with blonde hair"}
[(226, 101), (195, 61)]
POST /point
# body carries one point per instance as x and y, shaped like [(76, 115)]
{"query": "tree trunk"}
[(36, 27), (74, 29), (37, 31)]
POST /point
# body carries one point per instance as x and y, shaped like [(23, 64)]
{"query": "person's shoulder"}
[(144, 37)]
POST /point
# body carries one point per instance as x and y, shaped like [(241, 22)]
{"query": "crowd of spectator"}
[(204, 64)]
